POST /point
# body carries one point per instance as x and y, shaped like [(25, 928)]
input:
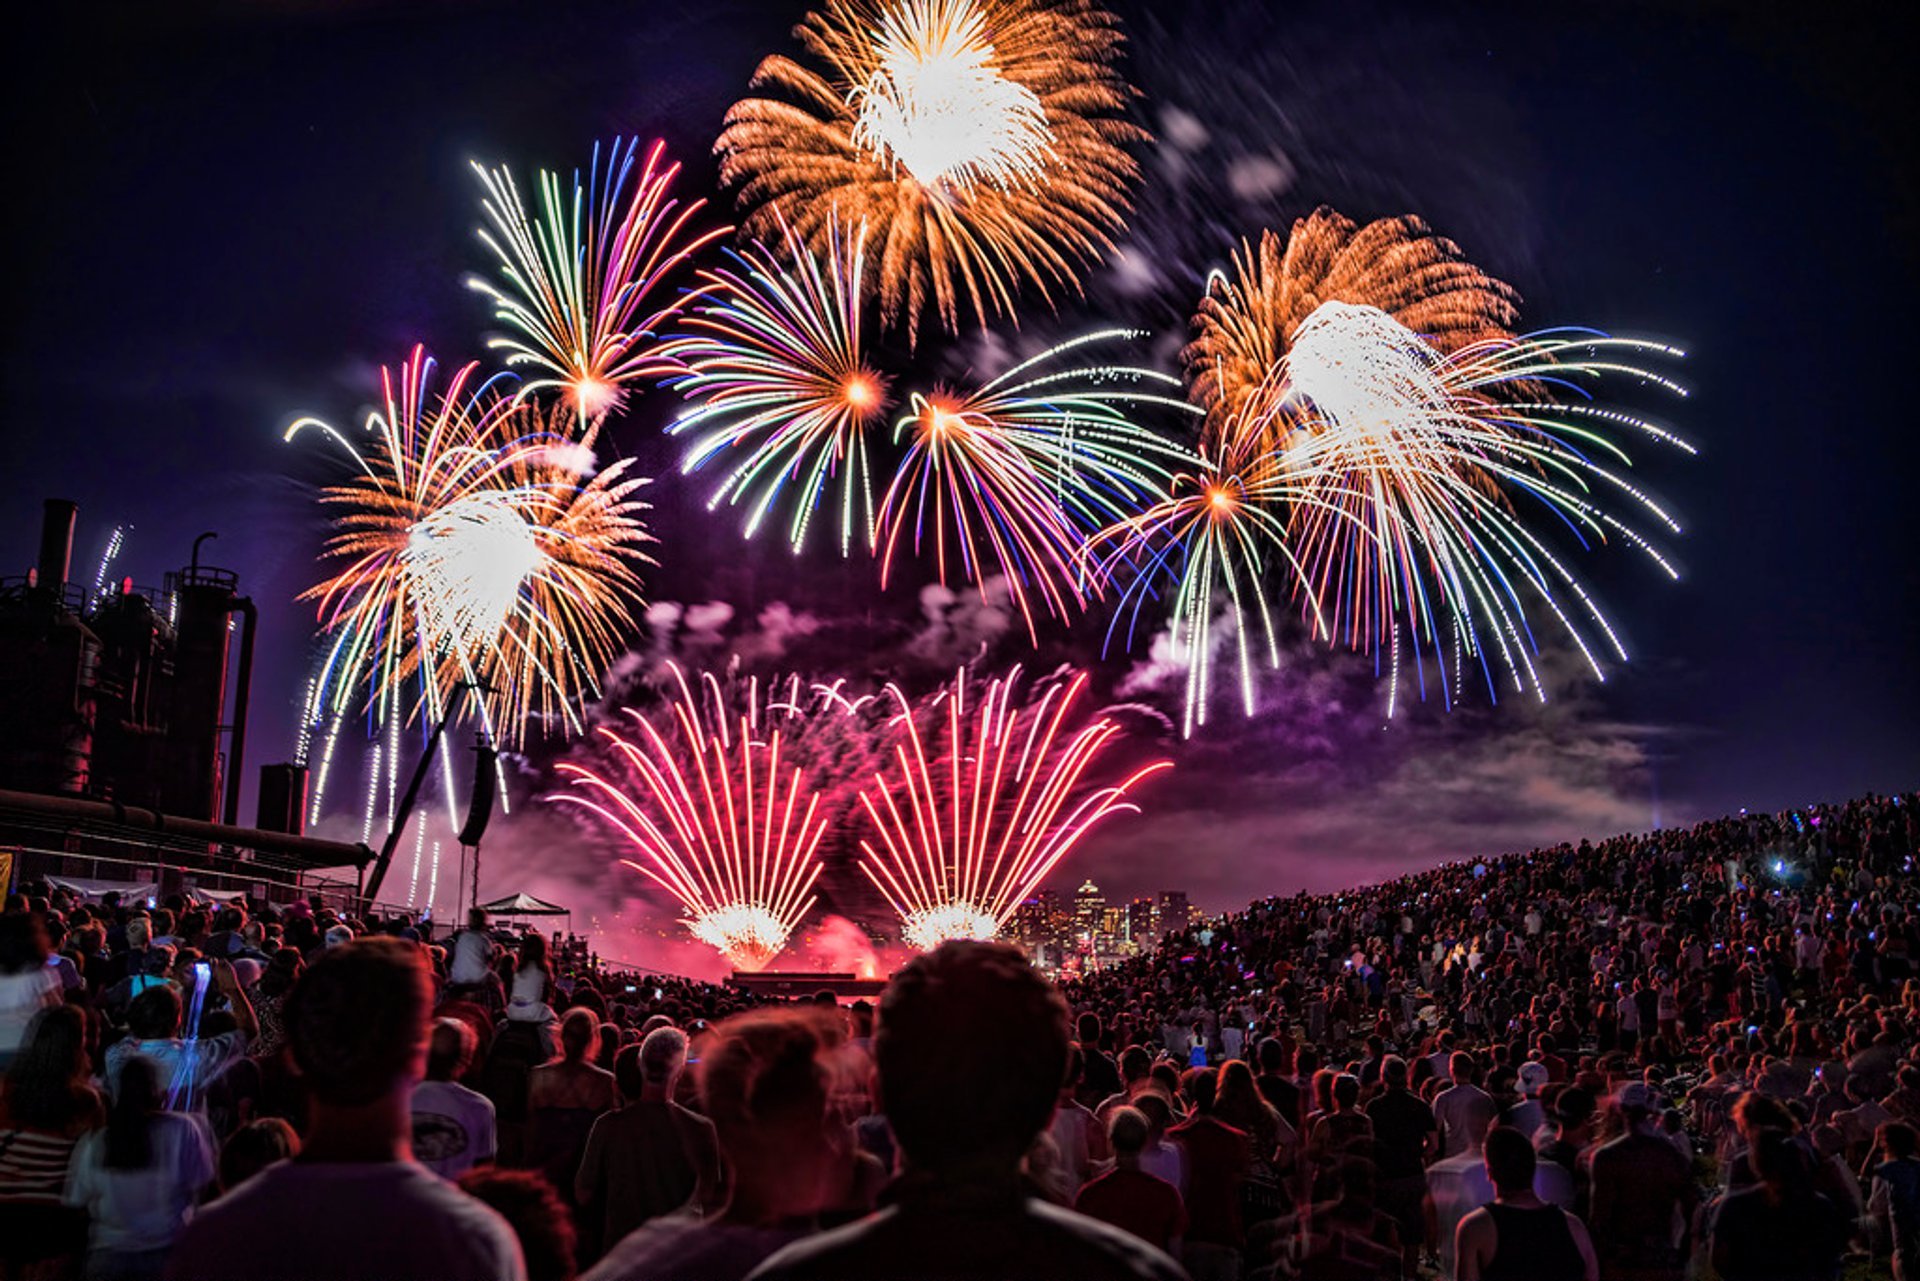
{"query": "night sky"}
[(225, 216)]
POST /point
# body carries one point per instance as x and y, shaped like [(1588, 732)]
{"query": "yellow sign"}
[(6, 870)]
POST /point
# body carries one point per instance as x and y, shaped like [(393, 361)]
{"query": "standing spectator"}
[(1239, 1103), (1405, 1137), (1780, 1229), (1895, 1196), (652, 1156), (534, 1211), (1517, 1236), (138, 1179), (532, 986), (46, 1105), (1458, 1185), (1529, 1114), (27, 985), (354, 1203), (1218, 1160), (1643, 1195), (1453, 1104), (186, 1065), (453, 1127), (1276, 1081), (1128, 1197), (565, 1098), (1077, 1137), (253, 1147), (470, 956), (1100, 1077), (970, 1051), (766, 1083)]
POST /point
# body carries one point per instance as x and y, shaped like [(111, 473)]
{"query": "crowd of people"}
[(1689, 1053)]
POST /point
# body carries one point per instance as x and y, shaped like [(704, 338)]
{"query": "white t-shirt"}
[(21, 997), (1458, 1185), (141, 1209), (472, 949), (319, 1221), (453, 1128)]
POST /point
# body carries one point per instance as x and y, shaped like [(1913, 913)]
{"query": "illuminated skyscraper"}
[(1089, 911)]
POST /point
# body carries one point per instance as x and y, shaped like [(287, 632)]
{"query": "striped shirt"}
[(33, 1162)]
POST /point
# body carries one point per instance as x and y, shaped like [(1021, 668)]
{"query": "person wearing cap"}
[(1529, 1114), (1643, 1195)]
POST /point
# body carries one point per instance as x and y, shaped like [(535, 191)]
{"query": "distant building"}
[(1089, 911), (1139, 926), (1175, 912)]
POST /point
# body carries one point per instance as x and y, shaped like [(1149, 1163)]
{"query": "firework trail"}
[(722, 820), (981, 142), (783, 396), (983, 797), (581, 285), (1011, 478)]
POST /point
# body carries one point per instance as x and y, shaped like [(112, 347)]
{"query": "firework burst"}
[(985, 798), (783, 394), (982, 142), (580, 284), (1247, 321), (723, 821), (1012, 477), (1424, 467), (471, 549)]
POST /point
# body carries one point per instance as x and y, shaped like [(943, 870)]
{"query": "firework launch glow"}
[(979, 804), (721, 821)]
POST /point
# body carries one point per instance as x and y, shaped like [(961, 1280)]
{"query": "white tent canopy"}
[(523, 905)]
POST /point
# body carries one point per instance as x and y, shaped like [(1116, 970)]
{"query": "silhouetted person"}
[(971, 1050), (651, 1156), (354, 1203), (767, 1086), (1517, 1236)]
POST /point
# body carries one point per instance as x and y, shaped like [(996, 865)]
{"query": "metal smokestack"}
[(56, 543)]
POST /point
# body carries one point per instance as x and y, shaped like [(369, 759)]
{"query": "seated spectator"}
[(1517, 1236), (651, 1156), (766, 1085), (452, 1125), (971, 1049), (1128, 1197), (253, 1147), (1780, 1229), (354, 1203), (47, 1104), (186, 1065), (539, 1218), (138, 1179)]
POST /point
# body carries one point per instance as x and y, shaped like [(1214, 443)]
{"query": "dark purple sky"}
[(227, 215)]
